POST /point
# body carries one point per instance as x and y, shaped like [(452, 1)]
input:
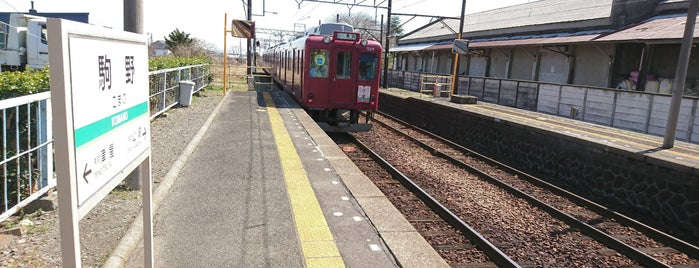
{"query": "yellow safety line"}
[(317, 242), (574, 130)]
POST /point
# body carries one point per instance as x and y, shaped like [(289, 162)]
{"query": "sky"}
[(204, 19)]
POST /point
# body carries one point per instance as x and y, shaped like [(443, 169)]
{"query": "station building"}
[(610, 62)]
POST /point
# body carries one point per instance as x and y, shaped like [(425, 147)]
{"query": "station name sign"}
[(100, 97)]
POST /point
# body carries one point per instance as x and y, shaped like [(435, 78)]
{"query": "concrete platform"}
[(266, 187)]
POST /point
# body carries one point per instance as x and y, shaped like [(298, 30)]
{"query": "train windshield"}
[(319, 63), (367, 66), (344, 65)]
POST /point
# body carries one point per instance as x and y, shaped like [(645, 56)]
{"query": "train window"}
[(344, 65), (367, 66), (319, 63)]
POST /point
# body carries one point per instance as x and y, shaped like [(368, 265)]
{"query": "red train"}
[(332, 73)]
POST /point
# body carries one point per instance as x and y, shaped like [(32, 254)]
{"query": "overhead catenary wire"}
[(10, 5)]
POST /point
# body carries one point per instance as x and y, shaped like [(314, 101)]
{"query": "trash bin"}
[(186, 90)]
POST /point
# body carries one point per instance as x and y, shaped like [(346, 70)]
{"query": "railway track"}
[(529, 221), (441, 228)]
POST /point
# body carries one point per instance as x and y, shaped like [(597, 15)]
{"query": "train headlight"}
[(364, 42), (372, 100), (327, 39), (310, 98)]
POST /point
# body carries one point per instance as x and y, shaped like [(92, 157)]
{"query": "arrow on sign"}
[(86, 172)]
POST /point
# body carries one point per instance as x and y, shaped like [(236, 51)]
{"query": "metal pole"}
[(249, 58), (133, 16), (381, 32), (455, 74), (680, 75), (225, 51), (388, 44)]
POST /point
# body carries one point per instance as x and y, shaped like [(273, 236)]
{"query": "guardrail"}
[(642, 112), (27, 151), (165, 85), (437, 85), (26, 170)]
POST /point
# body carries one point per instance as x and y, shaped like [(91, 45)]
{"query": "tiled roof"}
[(530, 14), (656, 28)]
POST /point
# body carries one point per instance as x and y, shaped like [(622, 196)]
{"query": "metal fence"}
[(27, 170), (165, 85), (643, 112), (27, 151)]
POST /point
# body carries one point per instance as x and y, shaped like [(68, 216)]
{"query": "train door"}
[(343, 86)]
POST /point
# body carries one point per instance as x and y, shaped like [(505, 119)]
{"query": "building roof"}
[(538, 13), (160, 44), (667, 27), (541, 39), (79, 17)]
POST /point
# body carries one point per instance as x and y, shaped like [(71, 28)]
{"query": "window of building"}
[(3, 36), (44, 33)]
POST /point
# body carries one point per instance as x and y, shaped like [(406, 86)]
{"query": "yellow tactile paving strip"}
[(317, 243)]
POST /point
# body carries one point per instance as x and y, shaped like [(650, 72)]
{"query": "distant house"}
[(158, 49)]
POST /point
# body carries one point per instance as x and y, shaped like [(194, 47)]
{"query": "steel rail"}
[(660, 236), (604, 238), (498, 257)]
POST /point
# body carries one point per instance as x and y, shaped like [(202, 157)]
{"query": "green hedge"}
[(15, 84), (159, 63), (31, 81)]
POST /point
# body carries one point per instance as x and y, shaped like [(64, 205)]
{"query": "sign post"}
[(99, 90)]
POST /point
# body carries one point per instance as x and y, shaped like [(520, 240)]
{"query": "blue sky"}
[(205, 19)]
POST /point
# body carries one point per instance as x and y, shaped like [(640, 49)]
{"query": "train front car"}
[(341, 80)]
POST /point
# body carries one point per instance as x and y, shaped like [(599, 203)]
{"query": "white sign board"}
[(111, 122), (99, 92), (104, 89)]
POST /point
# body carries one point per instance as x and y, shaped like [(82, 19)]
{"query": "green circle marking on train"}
[(319, 59)]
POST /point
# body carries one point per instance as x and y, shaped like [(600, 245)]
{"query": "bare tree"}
[(367, 25)]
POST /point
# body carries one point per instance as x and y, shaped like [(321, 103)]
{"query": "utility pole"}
[(133, 22), (388, 45), (680, 75), (381, 33), (249, 59), (133, 16), (455, 75)]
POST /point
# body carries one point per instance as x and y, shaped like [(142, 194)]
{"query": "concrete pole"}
[(133, 16), (680, 75), (133, 22)]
